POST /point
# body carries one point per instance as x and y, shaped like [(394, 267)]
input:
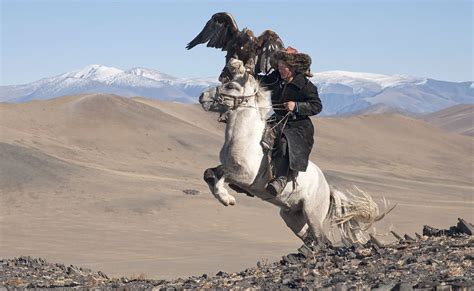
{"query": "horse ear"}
[(246, 76), (235, 67)]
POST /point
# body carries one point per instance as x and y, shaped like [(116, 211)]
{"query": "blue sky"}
[(421, 38)]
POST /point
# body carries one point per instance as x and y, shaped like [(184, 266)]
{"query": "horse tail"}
[(352, 215)]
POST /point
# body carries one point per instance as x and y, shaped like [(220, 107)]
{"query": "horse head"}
[(230, 95)]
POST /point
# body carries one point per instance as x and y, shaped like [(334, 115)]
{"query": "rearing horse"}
[(304, 208)]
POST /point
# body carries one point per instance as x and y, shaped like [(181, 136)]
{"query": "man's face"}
[(285, 71)]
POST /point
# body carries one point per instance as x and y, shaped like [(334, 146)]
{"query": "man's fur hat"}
[(299, 61)]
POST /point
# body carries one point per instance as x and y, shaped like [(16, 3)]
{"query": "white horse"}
[(304, 208)]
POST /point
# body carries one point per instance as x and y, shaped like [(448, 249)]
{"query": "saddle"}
[(271, 136)]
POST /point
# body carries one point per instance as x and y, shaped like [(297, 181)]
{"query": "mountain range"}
[(342, 92), (101, 79)]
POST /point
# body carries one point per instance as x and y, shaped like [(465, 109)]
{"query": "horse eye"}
[(231, 86)]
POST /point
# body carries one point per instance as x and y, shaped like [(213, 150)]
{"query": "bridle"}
[(238, 99)]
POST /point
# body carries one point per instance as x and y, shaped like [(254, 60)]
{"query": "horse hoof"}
[(222, 199), (225, 203), (226, 199)]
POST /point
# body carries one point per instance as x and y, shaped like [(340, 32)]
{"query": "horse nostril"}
[(201, 97)]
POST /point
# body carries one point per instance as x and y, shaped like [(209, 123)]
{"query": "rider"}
[(297, 98)]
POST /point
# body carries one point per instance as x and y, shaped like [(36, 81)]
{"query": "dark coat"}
[(299, 130)]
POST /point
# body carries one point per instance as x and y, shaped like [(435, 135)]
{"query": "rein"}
[(284, 120), (238, 100)]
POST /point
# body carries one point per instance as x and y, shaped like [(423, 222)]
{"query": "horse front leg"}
[(215, 178)]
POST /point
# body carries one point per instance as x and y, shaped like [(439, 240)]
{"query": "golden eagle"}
[(221, 31)]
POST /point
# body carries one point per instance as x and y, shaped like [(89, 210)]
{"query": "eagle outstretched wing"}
[(268, 42), (218, 31)]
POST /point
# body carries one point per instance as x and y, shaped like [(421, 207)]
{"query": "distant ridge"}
[(458, 119), (379, 108), (342, 92), (102, 79)]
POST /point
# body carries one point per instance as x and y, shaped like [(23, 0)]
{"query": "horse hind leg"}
[(315, 221), (215, 178), (296, 221)]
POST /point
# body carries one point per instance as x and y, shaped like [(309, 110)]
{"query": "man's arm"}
[(312, 105)]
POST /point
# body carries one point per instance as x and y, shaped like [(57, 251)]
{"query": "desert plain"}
[(97, 181)]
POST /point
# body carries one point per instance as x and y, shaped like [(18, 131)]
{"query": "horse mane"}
[(262, 95), (263, 100)]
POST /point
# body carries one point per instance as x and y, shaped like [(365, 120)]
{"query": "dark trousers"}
[(281, 157)]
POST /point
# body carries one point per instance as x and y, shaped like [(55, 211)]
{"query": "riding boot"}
[(277, 185), (282, 163)]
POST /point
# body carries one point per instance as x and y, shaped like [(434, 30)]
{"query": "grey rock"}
[(465, 227), (396, 235), (399, 266), (403, 287), (191, 192)]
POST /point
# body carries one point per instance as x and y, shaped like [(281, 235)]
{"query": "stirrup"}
[(277, 185)]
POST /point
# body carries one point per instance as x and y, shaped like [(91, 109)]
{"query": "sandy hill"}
[(98, 130), (458, 119), (97, 180), (379, 108)]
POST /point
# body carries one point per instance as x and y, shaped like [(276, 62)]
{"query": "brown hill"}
[(97, 180), (458, 119), (379, 108), (101, 130)]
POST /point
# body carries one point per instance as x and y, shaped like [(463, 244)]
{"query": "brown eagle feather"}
[(221, 31)]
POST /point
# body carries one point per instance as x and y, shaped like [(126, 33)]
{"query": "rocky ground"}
[(436, 260)]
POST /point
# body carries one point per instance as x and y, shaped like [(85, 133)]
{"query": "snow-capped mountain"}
[(150, 74), (102, 79), (341, 92), (94, 73)]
